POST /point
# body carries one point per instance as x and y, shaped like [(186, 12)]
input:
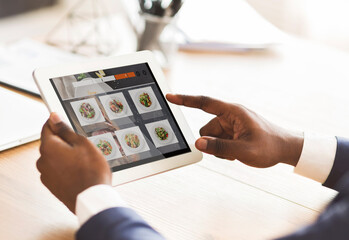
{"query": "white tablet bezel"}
[(42, 78)]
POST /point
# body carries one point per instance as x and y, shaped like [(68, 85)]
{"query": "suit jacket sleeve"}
[(117, 224), (333, 222), (340, 165)]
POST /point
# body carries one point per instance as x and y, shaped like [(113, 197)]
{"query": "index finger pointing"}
[(207, 104)]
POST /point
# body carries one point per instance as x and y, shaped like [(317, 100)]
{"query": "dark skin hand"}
[(69, 163), (239, 133)]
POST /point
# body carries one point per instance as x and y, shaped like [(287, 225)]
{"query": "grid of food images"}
[(123, 112)]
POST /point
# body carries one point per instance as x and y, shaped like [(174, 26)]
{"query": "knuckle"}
[(253, 153), (62, 127), (203, 101), (243, 109), (238, 107), (221, 147), (43, 179), (85, 147), (82, 140), (43, 149), (39, 164), (185, 99)]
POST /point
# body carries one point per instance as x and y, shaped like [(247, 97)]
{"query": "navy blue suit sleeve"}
[(333, 222), (117, 224), (341, 163)]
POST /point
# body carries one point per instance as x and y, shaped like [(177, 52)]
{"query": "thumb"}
[(224, 148), (62, 130)]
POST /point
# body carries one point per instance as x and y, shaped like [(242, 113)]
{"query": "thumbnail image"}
[(87, 111), (115, 105), (145, 100), (161, 133), (132, 140), (106, 143)]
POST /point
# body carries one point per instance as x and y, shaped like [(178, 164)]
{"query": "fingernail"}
[(55, 118), (201, 144)]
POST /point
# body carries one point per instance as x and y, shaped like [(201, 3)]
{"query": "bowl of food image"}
[(133, 142), (145, 100), (162, 133), (105, 146), (115, 105), (87, 111)]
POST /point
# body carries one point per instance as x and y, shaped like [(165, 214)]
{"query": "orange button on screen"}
[(120, 76), (131, 74)]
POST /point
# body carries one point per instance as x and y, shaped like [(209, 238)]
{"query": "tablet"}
[(119, 104)]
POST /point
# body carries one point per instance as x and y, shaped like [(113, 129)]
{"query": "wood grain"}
[(215, 199), (197, 203), (27, 209)]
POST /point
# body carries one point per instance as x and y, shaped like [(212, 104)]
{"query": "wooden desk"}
[(298, 85)]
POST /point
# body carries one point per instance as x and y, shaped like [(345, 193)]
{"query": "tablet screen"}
[(123, 112)]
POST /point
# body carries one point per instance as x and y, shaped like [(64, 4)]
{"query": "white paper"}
[(18, 61), (21, 119), (226, 25)]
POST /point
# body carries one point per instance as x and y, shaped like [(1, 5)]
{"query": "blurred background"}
[(36, 33), (324, 21)]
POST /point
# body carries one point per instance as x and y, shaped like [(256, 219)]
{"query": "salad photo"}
[(161, 133), (87, 111), (132, 140), (105, 147), (116, 106), (106, 143), (145, 100)]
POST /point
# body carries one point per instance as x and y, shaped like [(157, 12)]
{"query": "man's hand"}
[(69, 163), (238, 133)]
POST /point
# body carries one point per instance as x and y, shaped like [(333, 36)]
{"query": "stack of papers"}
[(18, 61), (226, 25), (21, 120)]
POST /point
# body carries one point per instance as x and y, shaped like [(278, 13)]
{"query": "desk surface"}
[(297, 85)]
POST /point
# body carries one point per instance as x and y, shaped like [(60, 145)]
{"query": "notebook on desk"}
[(21, 119), (18, 61), (225, 25)]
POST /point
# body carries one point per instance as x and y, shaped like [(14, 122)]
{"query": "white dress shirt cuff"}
[(96, 199), (317, 157)]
